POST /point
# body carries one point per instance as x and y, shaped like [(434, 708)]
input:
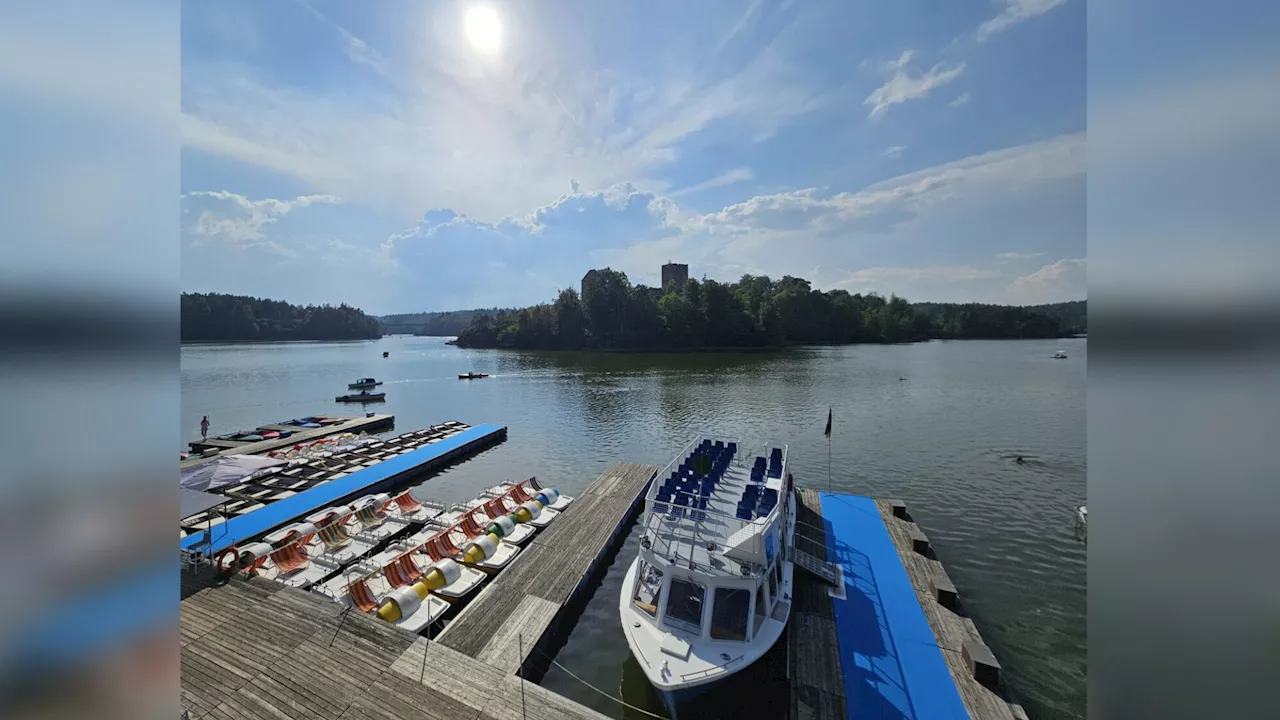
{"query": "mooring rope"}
[(618, 700)]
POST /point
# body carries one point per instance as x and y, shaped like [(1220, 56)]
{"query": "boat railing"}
[(688, 536)]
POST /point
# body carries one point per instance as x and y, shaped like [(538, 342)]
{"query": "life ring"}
[(232, 553)]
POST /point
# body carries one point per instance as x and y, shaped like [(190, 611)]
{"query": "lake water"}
[(935, 424)]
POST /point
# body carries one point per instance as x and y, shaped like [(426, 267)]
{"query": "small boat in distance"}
[(362, 396), (386, 354), (363, 384), (1060, 355), (472, 375)]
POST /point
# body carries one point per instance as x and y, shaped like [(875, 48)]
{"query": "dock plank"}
[(813, 650), (277, 653)]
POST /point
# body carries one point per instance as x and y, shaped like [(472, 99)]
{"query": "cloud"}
[(960, 101), (898, 199), (872, 279), (902, 86), (1014, 12), (1017, 255), (446, 134), (728, 178), (894, 151), (236, 221), (1057, 282), (357, 50)]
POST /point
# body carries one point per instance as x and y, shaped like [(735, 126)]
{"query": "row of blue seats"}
[(696, 507), (756, 502)]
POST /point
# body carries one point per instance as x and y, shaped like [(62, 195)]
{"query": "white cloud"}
[(902, 86), (1017, 255), (1057, 282), (960, 101), (894, 151), (873, 279), (447, 133), (1012, 13), (237, 221), (899, 198), (728, 178)]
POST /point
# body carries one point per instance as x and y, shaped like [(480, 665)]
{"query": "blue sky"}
[(378, 154)]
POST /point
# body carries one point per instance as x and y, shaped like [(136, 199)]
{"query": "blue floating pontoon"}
[(250, 525)]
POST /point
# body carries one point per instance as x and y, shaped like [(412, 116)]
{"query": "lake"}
[(936, 424)]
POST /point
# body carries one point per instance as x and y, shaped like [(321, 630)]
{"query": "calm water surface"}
[(936, 424)]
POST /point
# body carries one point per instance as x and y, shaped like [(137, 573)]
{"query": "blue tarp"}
[(239, 529), (892, 664)]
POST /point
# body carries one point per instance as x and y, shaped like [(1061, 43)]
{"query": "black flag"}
[(827, 432)]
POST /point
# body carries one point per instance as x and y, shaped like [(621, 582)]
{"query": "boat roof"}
[(710, 508), (194, 502)]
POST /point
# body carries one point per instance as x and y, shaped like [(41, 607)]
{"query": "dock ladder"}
[(821, 569)]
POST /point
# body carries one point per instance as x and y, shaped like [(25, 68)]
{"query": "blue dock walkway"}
[(424, 459), (881, 643)]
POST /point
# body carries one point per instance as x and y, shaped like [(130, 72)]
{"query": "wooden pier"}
[(347, 423), (253, 649), (256, 650), (814, 664), (525, 606)]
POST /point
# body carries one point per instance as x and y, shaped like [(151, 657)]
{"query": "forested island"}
[(215, 317), (755, 312), (434, 324)]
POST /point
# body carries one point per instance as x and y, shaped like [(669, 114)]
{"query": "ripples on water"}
[(935, 424)]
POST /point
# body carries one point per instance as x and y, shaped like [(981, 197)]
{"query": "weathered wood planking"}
[(813, 646), (254, 649), (549, 568), (949, 628)]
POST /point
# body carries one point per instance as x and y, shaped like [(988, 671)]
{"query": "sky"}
[(411, 156)]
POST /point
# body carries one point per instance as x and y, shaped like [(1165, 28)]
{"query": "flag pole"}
[(828, 433)]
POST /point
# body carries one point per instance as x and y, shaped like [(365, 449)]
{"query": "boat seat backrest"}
[(361, 596)]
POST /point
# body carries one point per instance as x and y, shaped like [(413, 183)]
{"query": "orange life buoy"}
[(232, 553)]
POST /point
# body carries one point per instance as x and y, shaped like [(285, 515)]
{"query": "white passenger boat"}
[(710, 590)]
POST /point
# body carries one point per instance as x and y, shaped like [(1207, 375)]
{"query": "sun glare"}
[(483, 29)]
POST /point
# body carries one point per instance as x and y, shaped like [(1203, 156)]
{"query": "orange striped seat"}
[(362, 597)]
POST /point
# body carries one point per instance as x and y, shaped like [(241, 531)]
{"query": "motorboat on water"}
[(364, 384), (1082, 515), (1060, 355), (472, 376), (709, 592), (362, 396)]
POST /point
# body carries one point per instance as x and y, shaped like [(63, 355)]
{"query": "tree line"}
[(755, 311), (215, 317), (434, 324)]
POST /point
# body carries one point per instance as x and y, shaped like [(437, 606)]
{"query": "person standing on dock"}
[(204, 428)]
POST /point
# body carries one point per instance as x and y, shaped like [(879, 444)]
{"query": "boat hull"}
[(673, 700)]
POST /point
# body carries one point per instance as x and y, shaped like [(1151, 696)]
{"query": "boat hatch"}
[(675, 647)]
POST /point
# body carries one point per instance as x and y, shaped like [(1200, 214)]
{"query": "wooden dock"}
[(256, 650), (814, 665), (353, 424), (526, 604)]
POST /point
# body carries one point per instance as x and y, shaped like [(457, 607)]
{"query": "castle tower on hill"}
[(675, 272)]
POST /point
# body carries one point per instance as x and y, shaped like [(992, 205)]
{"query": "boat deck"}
[(520, 605), (254, 649), (870, 651), (352, 424)]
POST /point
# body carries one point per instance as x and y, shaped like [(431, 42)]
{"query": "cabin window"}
[(729, 614), (648, 589), (762, 611), (777, 574), (773, 585), (684, 605)]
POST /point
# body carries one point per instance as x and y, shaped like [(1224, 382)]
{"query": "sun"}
[(484, 29)]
